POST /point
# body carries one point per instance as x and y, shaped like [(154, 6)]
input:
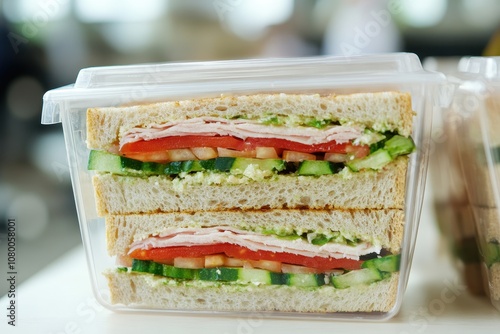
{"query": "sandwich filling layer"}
[(209, 137), (234, 256), (312, 245)]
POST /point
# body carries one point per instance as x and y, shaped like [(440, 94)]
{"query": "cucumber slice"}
[(219, 274), (263, 164), (223, 164), (106, 162), (192, 166), (491, 253), (254, 276), (141, 266), (152, 168), (376, 160), (173, 168), (175, 272), (387, 264), (399, 145), (207, 164), (224, 274), (356, 277), (306, 280), (319, 167)]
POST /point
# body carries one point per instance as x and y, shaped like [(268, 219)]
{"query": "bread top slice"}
[(381, 111), (379, 227)]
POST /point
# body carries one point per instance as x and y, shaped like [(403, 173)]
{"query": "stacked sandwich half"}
[(284, 202)]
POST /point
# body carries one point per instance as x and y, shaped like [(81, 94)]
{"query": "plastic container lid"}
[(95, 86)]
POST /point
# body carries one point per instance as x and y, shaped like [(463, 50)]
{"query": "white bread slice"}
[(384, 226), (382, 111), (148, 291), (488, 224), (383, 189), (494, 283)]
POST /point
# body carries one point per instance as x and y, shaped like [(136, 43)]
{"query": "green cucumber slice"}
[(102, 161), (207, 164), (173, 168), (306, 280), (264, 164), (376, 160), (175, 272), (224, 164), (387, 264), (106, 162), (356, 277), (399, 145), (254, 276), (219, 274), (141, 266), (319, 167), (189, 166), (224, 274), (491, 253)]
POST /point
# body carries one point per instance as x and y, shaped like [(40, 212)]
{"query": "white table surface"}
[(59, 300)]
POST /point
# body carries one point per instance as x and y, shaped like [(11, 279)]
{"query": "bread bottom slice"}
[(382, 189), (149, 291)]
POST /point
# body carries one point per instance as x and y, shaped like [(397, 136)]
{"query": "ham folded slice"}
[(253, 241), (212, 126)]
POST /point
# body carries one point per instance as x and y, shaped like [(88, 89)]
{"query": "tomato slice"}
[(177, 142), (331, 146), (243, 253)]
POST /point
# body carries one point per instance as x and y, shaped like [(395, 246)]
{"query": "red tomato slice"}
[(176, 142), (331, 146), (235, 251)]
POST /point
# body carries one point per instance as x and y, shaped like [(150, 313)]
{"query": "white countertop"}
[(59, 300)]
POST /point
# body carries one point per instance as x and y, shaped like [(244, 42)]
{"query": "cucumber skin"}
[(319, 167), (376, 160), (399, 145), (356, 277), (387, 264)]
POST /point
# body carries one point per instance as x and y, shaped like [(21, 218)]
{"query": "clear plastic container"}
[(142, 84), (452, 209), (476, 105)]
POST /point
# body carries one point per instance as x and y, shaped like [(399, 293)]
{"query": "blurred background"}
[(44, 43)]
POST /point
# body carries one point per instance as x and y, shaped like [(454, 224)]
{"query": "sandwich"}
[(480, 158), (262, 202)]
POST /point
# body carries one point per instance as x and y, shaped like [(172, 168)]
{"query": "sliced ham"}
[(253, 241), (211, 126)]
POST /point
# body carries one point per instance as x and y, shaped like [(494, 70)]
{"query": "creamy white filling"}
[(213, 126), (253, 241)]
